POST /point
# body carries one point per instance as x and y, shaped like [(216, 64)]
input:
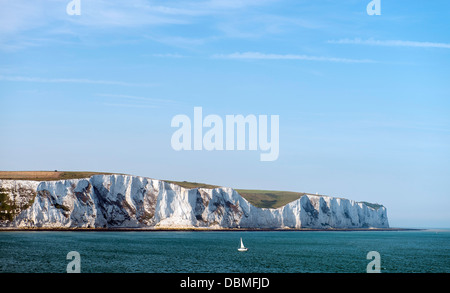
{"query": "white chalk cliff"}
[(123, 201)]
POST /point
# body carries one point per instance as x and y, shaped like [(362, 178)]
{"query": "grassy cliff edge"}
[(259, 198)]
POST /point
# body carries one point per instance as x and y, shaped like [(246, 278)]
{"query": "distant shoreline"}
[(4, 229)]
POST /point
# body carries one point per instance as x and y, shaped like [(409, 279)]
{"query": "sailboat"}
[(242, 248)]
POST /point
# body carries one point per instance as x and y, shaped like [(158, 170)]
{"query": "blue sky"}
[(364, 101)]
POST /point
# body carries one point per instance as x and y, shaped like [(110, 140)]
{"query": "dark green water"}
[(216, 252)]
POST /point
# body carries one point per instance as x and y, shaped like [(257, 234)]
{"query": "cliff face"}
[(122, 201)]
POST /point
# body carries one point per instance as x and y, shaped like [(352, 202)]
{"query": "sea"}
[(412, 251)]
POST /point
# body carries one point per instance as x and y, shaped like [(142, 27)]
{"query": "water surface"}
[(216, 252)]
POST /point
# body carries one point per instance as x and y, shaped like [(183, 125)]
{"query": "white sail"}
[(242, 248)]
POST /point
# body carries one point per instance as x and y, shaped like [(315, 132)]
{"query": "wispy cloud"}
[(131, 101), (137, 98), (21, 15), (17, 16), (168, 55), (264, 56), (20, 18), (124, 105), (176, 41), (69, 80), (391, 43)]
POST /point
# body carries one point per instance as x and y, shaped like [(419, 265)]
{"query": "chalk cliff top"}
[(126, 201), (259, 198)]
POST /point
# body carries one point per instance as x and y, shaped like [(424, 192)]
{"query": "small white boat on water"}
[(242, 248)]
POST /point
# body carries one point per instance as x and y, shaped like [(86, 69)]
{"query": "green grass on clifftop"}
[(259, 198), (269, 198), (191, 185), (47, 175)]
